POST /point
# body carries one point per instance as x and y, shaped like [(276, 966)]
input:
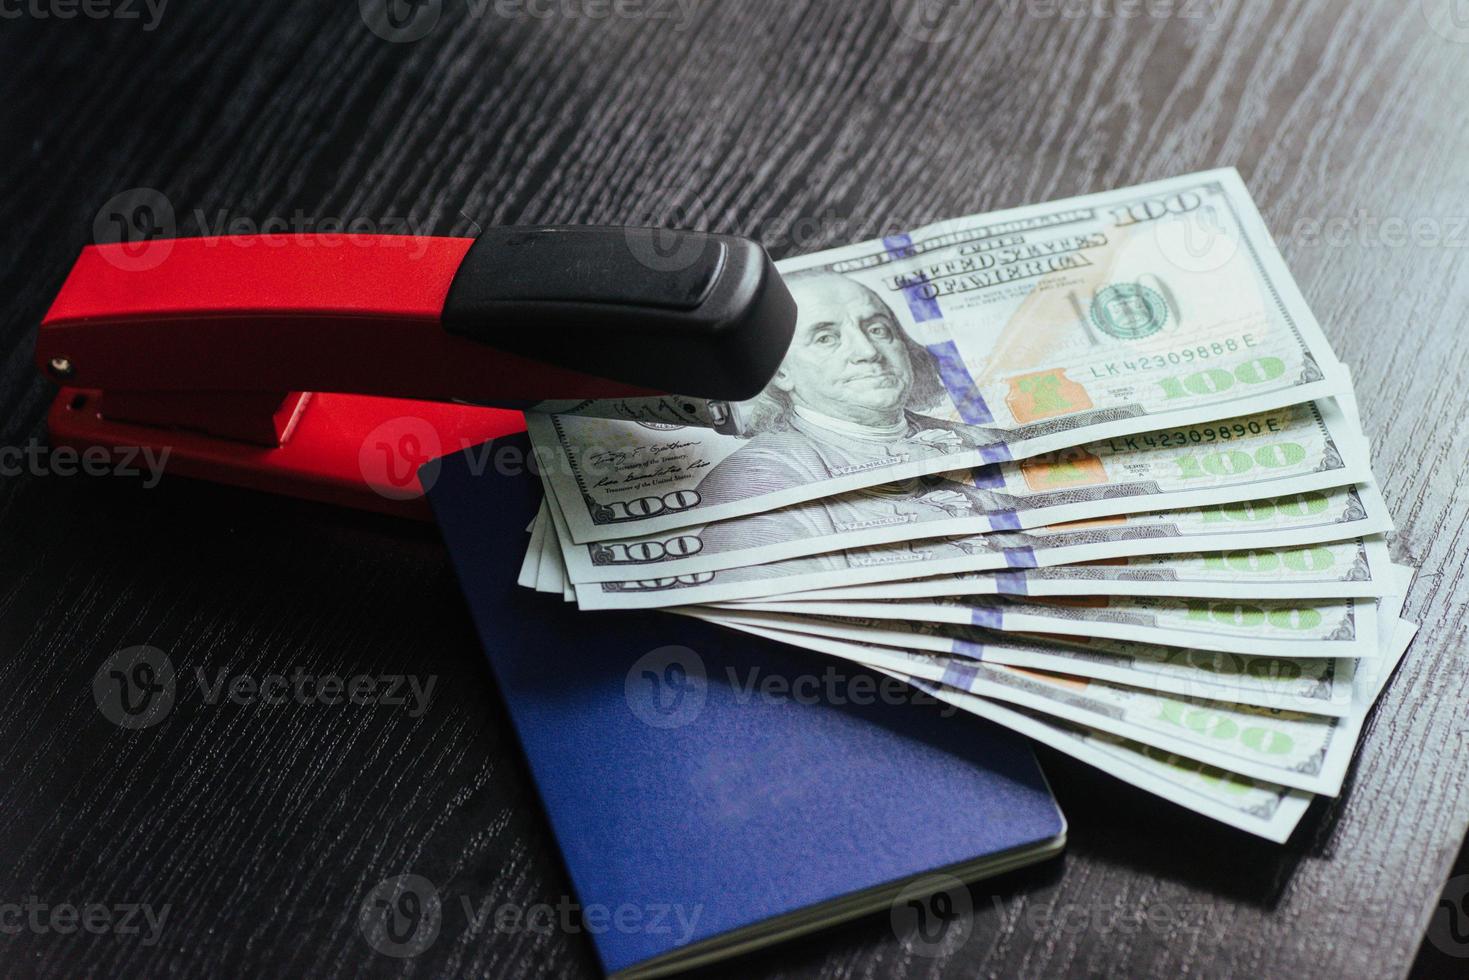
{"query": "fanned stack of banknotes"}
[(1087, 469)]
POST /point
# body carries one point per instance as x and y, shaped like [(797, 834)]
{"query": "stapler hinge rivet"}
[(62, 367)]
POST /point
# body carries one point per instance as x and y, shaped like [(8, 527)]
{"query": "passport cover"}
[(678, 777)]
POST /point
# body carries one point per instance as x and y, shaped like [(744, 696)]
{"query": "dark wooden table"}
[(258, 831)]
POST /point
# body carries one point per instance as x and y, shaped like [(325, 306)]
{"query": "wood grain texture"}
[(806, 123)]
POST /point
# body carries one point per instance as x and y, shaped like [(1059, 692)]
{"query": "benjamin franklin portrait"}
[(849, 397)]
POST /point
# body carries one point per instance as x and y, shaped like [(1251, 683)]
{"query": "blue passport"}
[(711, 791)]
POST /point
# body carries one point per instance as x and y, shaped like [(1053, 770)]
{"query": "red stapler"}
[(329, 368)]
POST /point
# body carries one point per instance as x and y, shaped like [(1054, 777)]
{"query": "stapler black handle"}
[(675, 311)]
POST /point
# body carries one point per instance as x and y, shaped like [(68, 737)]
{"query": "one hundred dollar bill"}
[(1297, 519), (1304, 751), (1260, 807), (1257, 806), (1275, 628), (1286, 450), (939, 651), (1356, 567), (983, 339)]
